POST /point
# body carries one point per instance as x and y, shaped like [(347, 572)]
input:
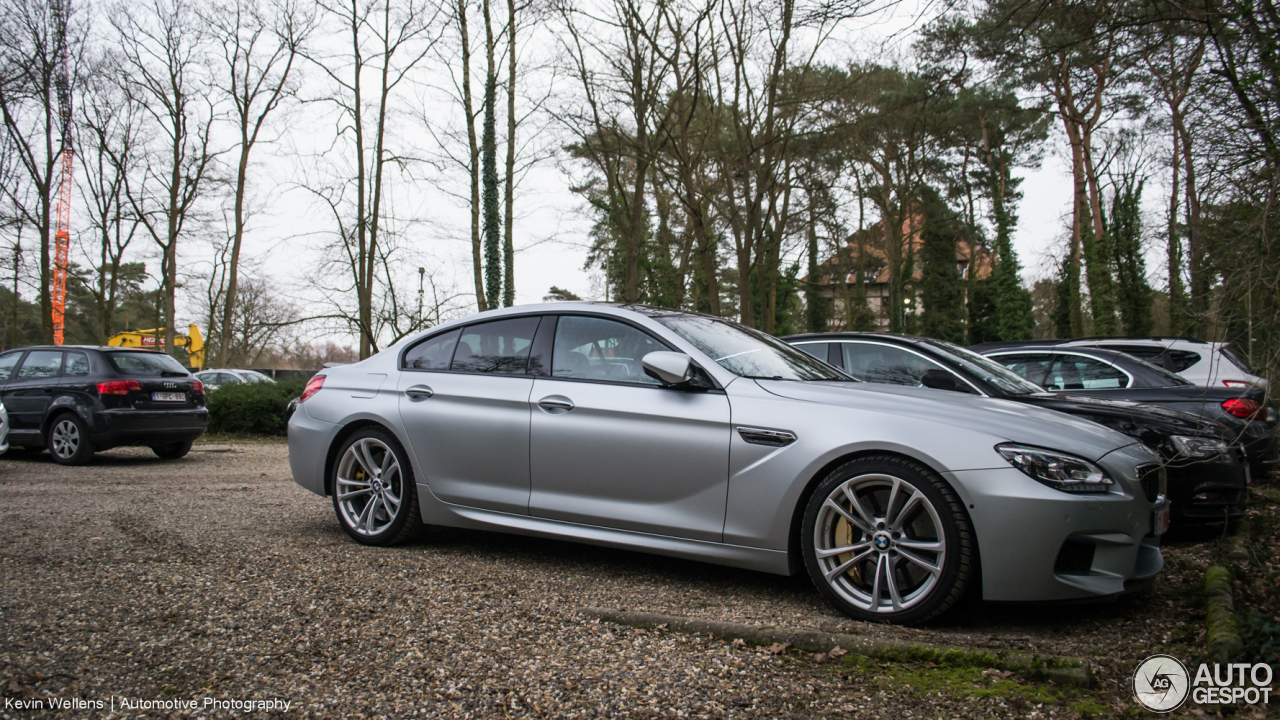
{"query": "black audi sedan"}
[(1208, 477), (1109, 374), (77, 400)]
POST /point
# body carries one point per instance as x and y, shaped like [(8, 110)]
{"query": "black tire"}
[(929, 592), (406, 522), (173, 450), (68, 440)]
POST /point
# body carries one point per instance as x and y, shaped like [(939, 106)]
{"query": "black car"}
[(77, 400), (1208, 478), (1115, 375)]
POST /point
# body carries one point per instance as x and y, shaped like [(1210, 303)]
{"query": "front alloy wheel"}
[(374, 494), (887, 540)]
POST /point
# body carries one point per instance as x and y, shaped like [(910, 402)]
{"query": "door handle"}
[(556, 404), (419, 392)]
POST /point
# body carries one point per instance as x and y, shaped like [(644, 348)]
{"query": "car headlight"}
[(1057, 470), (1198, 447)]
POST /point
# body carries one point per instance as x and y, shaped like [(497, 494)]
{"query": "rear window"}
[(1238, 361), (144, 363)]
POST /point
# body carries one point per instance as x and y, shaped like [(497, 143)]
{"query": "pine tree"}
[(1132, 291), (941, 287), (1068, 293)]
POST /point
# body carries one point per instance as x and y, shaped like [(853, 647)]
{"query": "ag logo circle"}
[(1161, 683)]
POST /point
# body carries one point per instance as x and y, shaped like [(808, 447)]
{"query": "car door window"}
[(8, 362), (500, 347), (77, 364), (1077, 372), (208, 378), (1031, 367), (818, 350), (228, 379), (885, 364), (40, 364), (588, 348), (434, 353)]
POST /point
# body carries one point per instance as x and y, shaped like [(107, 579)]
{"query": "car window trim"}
[(22, 355), (1043, 377), (913, 351), (551, 365), (544, 315), (18, 368), (465, 328), (1127, 374), (66, 362)]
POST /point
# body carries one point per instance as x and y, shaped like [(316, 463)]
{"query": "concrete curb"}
[(1222, 632), (1062, 670)]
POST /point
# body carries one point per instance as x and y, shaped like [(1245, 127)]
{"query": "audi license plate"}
[(1160, 520), (169, 397)]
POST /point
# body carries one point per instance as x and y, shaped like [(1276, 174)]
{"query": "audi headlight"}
[(1198, 447), (1057, 470)]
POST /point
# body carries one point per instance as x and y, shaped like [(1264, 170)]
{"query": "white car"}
[(213, 379), (1209, 364), (4, 429)]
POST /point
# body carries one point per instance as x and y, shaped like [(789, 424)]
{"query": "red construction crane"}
[(61, 9)]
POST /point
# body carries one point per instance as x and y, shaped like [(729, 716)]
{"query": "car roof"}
[(904, 339), (101, 348)]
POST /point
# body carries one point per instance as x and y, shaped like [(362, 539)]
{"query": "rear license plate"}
[(169, 397), (1160, 521)]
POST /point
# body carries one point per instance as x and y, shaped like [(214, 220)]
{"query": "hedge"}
[(252, 408)]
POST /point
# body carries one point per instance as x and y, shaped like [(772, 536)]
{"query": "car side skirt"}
[(438, 512)]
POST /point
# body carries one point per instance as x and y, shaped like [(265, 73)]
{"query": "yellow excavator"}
[(193, 341)]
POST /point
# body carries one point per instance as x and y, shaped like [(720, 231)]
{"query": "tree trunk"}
[(508, 241), (489, 171), (477, 251)]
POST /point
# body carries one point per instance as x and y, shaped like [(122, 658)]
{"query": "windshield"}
[(749, 353), (985, 368), (132, 362)]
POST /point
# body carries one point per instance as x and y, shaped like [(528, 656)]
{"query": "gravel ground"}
[(216, 577)]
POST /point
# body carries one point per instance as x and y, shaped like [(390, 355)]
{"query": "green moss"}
[(1087, 707), (960, 675)]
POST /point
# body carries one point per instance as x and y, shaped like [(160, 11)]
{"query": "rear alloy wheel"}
[(173, 450), (887, 540), (68, 440), (374, 495)]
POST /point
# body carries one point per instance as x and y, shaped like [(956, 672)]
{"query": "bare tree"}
[(387, 42), (110, 140), (261, 42), (164, 51)]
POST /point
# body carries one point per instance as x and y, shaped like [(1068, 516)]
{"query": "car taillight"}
[(197, 386), (313, 387), (118, 387), (1243, 408)]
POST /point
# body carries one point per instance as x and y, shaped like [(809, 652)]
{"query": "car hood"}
[(1011, 421), (1131, 418)]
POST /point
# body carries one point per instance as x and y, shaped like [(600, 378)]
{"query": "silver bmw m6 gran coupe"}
[(690, 436)]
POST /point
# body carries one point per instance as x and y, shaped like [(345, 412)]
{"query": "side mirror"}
[(669, 368), (939, 380)]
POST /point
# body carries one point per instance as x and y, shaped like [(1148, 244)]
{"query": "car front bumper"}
[(1036, 543), (130, 426), (1211, 490)]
